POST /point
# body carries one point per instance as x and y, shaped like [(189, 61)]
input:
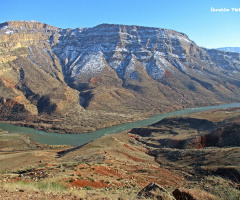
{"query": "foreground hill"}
[(77, 80), (119, 166)]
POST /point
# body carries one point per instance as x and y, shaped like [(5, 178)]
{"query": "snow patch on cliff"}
[(155, 69), (130, 69), (180, 66), (89, 64)]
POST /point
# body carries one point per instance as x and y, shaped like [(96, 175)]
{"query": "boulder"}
[(155, 191), (192, 194)]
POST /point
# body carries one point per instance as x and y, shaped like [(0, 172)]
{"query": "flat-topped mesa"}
[(120, 35), (137, 27), (85, 52), (133, 34)]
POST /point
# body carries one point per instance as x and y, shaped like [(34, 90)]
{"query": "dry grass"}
[(220, 187), (57, 189), (43, 186)]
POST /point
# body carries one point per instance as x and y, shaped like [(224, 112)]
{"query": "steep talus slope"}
[(108, 74)]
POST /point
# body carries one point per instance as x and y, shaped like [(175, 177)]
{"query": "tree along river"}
[(83, 138)]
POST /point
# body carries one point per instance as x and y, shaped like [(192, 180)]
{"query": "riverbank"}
[(99, 120), (120, 165), (80, 139)]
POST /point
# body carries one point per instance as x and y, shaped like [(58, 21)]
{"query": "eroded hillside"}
[(78, 80)]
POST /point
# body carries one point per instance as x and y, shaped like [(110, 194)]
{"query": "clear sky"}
[(192, 17)]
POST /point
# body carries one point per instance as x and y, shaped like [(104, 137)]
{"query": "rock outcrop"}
[(227, 136), (155, 191), (191, 194)]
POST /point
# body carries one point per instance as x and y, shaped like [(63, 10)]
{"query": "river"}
[(83, 138)]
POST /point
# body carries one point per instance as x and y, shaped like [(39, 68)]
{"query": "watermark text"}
[(225, 9)]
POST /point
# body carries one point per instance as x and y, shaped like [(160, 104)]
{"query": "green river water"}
[(83, 138)]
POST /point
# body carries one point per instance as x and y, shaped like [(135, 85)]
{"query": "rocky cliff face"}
[(112, 69), (29, 71), (162, 67)]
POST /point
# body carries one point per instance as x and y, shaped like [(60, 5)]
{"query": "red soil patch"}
[(154, 167), (94, 80), (167, 74), (131, 167), (141, 149), (132, 157), (18, 98), (145, 180), (166, 173), (82, 166), (173, 178), (9, 84), (127, 146), (106, 171), (11, 180), (84, 183), (134, 136)]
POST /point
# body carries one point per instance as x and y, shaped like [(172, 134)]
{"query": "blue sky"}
[(192, 17)]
